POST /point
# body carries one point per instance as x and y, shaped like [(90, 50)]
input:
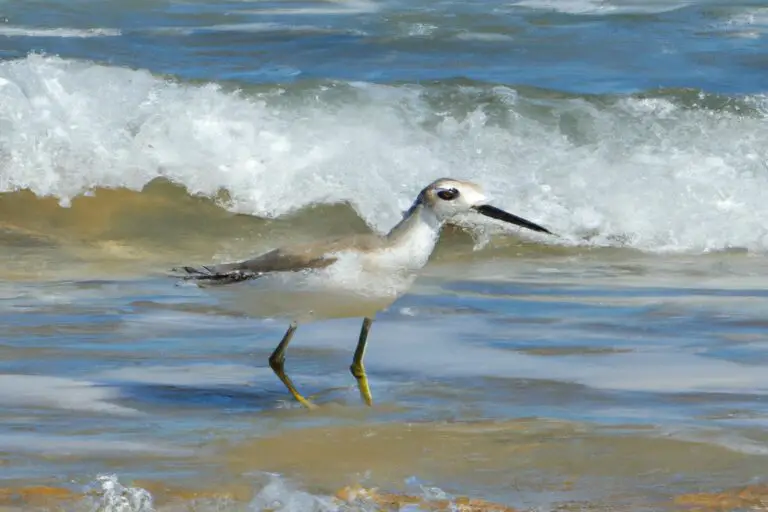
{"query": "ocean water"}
[(615, 367)]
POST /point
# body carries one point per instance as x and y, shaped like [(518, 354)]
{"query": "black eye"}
[(448, 194)]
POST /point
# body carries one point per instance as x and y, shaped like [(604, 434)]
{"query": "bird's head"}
[(447, 198)]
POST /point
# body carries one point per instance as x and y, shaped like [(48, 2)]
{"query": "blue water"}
[(579, 46)]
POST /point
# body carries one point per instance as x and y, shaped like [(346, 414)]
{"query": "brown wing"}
[(286, 259)]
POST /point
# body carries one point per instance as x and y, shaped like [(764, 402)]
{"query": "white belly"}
[(334, 292)]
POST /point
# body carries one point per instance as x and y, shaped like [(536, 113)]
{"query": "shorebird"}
[(371, 271)]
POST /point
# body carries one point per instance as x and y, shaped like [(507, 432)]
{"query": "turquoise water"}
[(626, 357)]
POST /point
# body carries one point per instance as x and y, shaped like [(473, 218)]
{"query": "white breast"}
[(410, 251), (389, 270)]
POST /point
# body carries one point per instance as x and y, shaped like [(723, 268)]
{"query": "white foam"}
[(277, 494), (21, 31), (274, 492), (59, 392), (603, 6), (748, 23), (419, 29), (568, 6), (483, 36), (644, 173), (254, 27), (326, 7), (281, 496), (111, 496)]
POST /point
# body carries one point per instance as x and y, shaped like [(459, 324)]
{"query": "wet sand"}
[(548, 464)]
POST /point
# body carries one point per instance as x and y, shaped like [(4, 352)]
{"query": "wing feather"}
[(272, 261), (289, 259)]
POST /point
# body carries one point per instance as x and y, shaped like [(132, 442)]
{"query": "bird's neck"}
[(415, 236)]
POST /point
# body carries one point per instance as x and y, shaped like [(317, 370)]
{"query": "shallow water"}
[(528, 381), (615, 366)]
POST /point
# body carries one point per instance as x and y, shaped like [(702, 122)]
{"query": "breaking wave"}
[(665, 171)]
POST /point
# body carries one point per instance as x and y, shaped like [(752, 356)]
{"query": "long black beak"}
[(498, 213)]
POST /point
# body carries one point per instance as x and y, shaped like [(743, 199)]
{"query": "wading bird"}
[(371, 270)]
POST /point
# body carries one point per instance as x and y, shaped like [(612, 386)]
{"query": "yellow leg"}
[(277, 363), (357, 368)]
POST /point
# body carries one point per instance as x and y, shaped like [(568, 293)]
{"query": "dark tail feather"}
[(212, 276)]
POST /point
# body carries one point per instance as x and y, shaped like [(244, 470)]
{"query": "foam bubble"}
[(280, 496), (274, 493), (21, 31), (419, 29), (114, 497), (656, 174)]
